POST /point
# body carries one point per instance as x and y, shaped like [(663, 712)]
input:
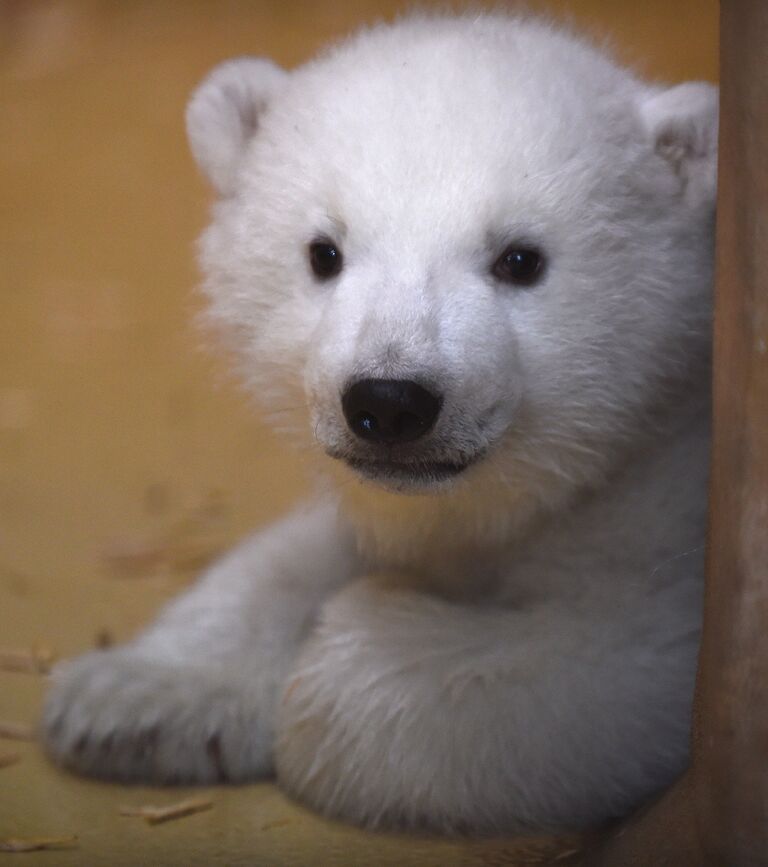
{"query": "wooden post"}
[(717, 815), (732, 729)]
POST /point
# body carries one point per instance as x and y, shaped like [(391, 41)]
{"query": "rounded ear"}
[(681, 124), (223, 115)]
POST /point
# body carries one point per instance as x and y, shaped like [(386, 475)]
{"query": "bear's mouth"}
[(405, 476)]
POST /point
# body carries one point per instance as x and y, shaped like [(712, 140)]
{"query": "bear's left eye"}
[(521, 266), (325, 259)]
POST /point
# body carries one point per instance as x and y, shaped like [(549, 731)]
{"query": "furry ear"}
[(223, 115), (681, 123)]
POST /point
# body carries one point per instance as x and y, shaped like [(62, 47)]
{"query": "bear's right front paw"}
[(117, 715)]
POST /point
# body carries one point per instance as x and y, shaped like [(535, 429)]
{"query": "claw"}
[(213, 749)]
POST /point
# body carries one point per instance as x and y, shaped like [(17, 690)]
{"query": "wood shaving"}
[(132, 558), (15, 582), (294, 684), (33, 660), (186, 546), (527, 852), (103, 639), (139, 559), (35, 844), (17, 731), (8, 759), (568, 853), (154, 815), (276, 823)]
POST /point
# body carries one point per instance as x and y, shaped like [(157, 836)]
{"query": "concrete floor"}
[(126, 456)]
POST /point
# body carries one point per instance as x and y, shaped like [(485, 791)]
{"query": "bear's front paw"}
[(373, 726), (117, 715)]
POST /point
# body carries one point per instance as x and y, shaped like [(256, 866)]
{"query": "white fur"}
[(513, 648)]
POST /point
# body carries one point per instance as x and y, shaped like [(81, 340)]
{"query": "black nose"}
[(390, 410)]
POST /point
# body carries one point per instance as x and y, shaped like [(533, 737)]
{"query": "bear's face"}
[(454, 250)]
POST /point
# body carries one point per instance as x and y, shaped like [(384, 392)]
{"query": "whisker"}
[(669, 560), (283, 409)]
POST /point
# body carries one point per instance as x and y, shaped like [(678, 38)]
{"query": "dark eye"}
[(521, 266), (325, 259)]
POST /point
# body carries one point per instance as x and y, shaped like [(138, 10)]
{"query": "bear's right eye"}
[(519, 265), (325, 259)]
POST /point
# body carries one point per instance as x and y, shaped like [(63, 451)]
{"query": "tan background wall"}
[(126, 456)]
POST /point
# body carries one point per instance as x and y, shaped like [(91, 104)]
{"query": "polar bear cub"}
[(466, 263)]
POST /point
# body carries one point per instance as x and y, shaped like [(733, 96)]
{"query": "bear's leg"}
[(407, 711), (192, 699)]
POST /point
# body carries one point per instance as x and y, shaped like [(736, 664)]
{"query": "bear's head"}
[(462, 255)]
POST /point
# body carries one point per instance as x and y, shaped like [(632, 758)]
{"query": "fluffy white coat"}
[(512, 647)]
